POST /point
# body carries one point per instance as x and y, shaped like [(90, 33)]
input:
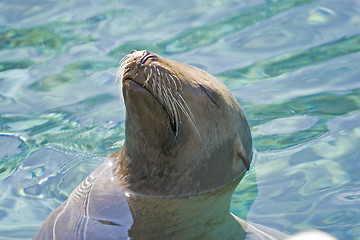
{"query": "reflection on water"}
[(293, 65)]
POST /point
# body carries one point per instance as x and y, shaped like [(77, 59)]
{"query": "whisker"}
[(147, 77), (174, 108), (121, 68), (186, 110), (154, 79), (187, 107), (176, 80), (160, 91), (166, 91), (167, 79), (151, 71), (123, 59), (177, 104), (120, 74), (170, 76), (168, 101)]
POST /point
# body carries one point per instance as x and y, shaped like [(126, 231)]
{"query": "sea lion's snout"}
[(151, 72)]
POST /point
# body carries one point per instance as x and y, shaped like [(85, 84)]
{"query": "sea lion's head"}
[(184, 133)]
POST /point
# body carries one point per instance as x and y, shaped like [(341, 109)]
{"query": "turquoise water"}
[(293, 65)]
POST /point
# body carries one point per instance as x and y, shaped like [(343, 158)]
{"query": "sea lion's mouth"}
[(172, 122)]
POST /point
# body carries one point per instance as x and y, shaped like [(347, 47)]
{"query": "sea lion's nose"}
[(147, 55)]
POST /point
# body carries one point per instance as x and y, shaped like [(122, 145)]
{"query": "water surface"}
[(292, 64)]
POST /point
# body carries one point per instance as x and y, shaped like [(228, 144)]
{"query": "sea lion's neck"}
[(204, 216), (154, 175), (199, 215)]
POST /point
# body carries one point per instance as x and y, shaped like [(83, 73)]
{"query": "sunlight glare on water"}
[(292, 64)]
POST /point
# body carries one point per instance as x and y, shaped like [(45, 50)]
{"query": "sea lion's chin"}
[(144, 113)]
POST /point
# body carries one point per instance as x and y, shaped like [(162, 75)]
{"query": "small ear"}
[(211, 94), (240, 151)]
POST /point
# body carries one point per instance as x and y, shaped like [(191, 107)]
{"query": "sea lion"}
[(187, 146)]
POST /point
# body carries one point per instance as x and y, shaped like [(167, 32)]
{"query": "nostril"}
[(146, 52), (147, 55)]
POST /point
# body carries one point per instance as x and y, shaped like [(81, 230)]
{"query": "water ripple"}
[(321, 15), (282, 64), (201, 36), (13, 151), (292, 64)]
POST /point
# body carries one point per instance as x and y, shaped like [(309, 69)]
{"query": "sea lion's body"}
[(187, 146), (100, 209), (96, 209)]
